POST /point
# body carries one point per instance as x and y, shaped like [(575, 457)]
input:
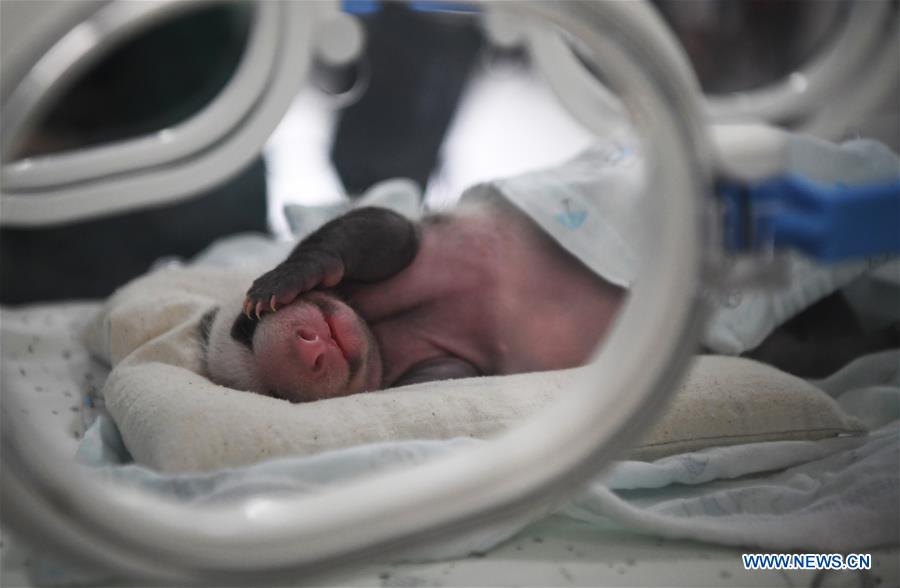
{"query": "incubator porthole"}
[(160, 78)]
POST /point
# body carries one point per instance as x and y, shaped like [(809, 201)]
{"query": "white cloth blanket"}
[(831, 495), (838, 494)]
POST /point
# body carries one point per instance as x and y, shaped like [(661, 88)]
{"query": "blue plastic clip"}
[(830, 223), (363, 7), (438, 6)]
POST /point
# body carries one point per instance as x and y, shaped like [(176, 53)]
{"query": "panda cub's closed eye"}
[(243, 329)]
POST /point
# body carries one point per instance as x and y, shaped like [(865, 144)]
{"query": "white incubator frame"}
[(533, 468)]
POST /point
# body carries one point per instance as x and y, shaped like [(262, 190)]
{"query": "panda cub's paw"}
[(302, 272)]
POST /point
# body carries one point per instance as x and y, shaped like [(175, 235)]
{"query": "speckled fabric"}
[(46, 366)]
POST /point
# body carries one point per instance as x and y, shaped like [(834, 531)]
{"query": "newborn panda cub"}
[(373, 300)]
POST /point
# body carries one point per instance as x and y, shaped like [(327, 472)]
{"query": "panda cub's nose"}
[(311, 347)]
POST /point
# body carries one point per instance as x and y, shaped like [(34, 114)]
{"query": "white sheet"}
[(835, 494)]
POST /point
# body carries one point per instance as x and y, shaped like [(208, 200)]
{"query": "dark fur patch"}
[(243, 329), (206, 323)]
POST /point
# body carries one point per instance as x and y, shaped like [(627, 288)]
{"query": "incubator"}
[(732, 188)]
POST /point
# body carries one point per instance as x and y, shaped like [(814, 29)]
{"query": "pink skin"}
[(316, 347), (493, 290)]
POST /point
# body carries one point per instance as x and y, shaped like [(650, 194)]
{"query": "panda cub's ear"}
[(206, 323), (242, 330)]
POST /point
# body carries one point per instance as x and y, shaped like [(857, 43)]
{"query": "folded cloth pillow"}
[(174, 419), (730, 401)]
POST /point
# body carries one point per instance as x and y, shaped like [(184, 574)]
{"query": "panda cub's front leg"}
[(367, 244)]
